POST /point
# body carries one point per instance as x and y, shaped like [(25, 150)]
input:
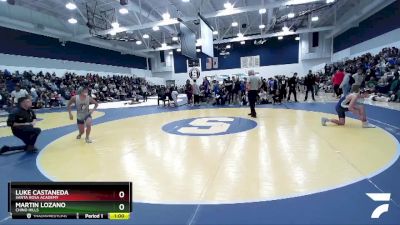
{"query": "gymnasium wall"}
[(273, 52), (285, 60), (21, 63), (377, 31), (265, 71), (374, 46), (21, 50)]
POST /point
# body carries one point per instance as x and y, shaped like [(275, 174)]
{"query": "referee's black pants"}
[(252, 95), (28, 134)]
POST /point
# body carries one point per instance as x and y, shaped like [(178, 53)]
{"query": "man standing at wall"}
[(229, 88), (309, 82), (253, 85), (292, 86)]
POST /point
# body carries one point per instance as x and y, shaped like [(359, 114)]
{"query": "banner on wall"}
[(209, 63), (215, 62)]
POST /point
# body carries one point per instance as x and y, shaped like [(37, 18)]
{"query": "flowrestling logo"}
[(379, 197), (209, 126)]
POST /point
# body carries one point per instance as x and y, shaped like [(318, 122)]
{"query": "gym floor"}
[(209, 165)]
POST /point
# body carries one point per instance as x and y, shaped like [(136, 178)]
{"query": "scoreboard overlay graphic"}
[(70, 200)]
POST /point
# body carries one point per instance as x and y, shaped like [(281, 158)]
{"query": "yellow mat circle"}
[(288, 154)]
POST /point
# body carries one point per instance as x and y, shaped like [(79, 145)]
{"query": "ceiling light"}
[(242, 42), (197, 50), (175, 38), (228, 46), (166, 16), (314, 18), (297, 38), (178, 50), (146, 36), (235, 24), (290, 15), (262, 26), (215, 32), (123, 11), (155, 28), (240, 35), (3, 0), (280, 38), (72, 21), (299, 2), (185, 0), (164, 45), (262, 11), (138, 42), (228, 5), (115, 25), (69, 5), (170, 53), (285, 29), (330, 1)]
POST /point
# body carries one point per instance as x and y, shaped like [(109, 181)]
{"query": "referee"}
[(253, 85), (22, 122)]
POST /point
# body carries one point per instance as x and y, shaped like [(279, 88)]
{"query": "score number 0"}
[(121, 206)]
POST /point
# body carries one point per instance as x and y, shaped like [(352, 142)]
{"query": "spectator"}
[(282, 87), (395, 88), (263, 97), (337, 80), (358, 80), (17, 94), (196, 93), (347, 82), (309, 82), (229, 87), (292, 82), (174, 95), (189, 91)]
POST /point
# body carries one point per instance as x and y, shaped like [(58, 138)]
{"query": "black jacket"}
[(292, 82), (309, 81), (20, 115)]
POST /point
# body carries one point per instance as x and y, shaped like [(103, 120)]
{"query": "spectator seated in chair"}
[(263, 97), (162, 96), (174, 95)]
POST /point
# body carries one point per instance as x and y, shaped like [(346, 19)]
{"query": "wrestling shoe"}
[(4, 149), (368, 125), (324, 120), (88, 140)]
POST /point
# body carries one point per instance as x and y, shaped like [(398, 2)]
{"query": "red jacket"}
[(338, 78)]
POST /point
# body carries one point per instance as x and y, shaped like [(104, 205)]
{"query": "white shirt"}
[(263, 95), (16, 95), (174, 95), (254, 83)]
